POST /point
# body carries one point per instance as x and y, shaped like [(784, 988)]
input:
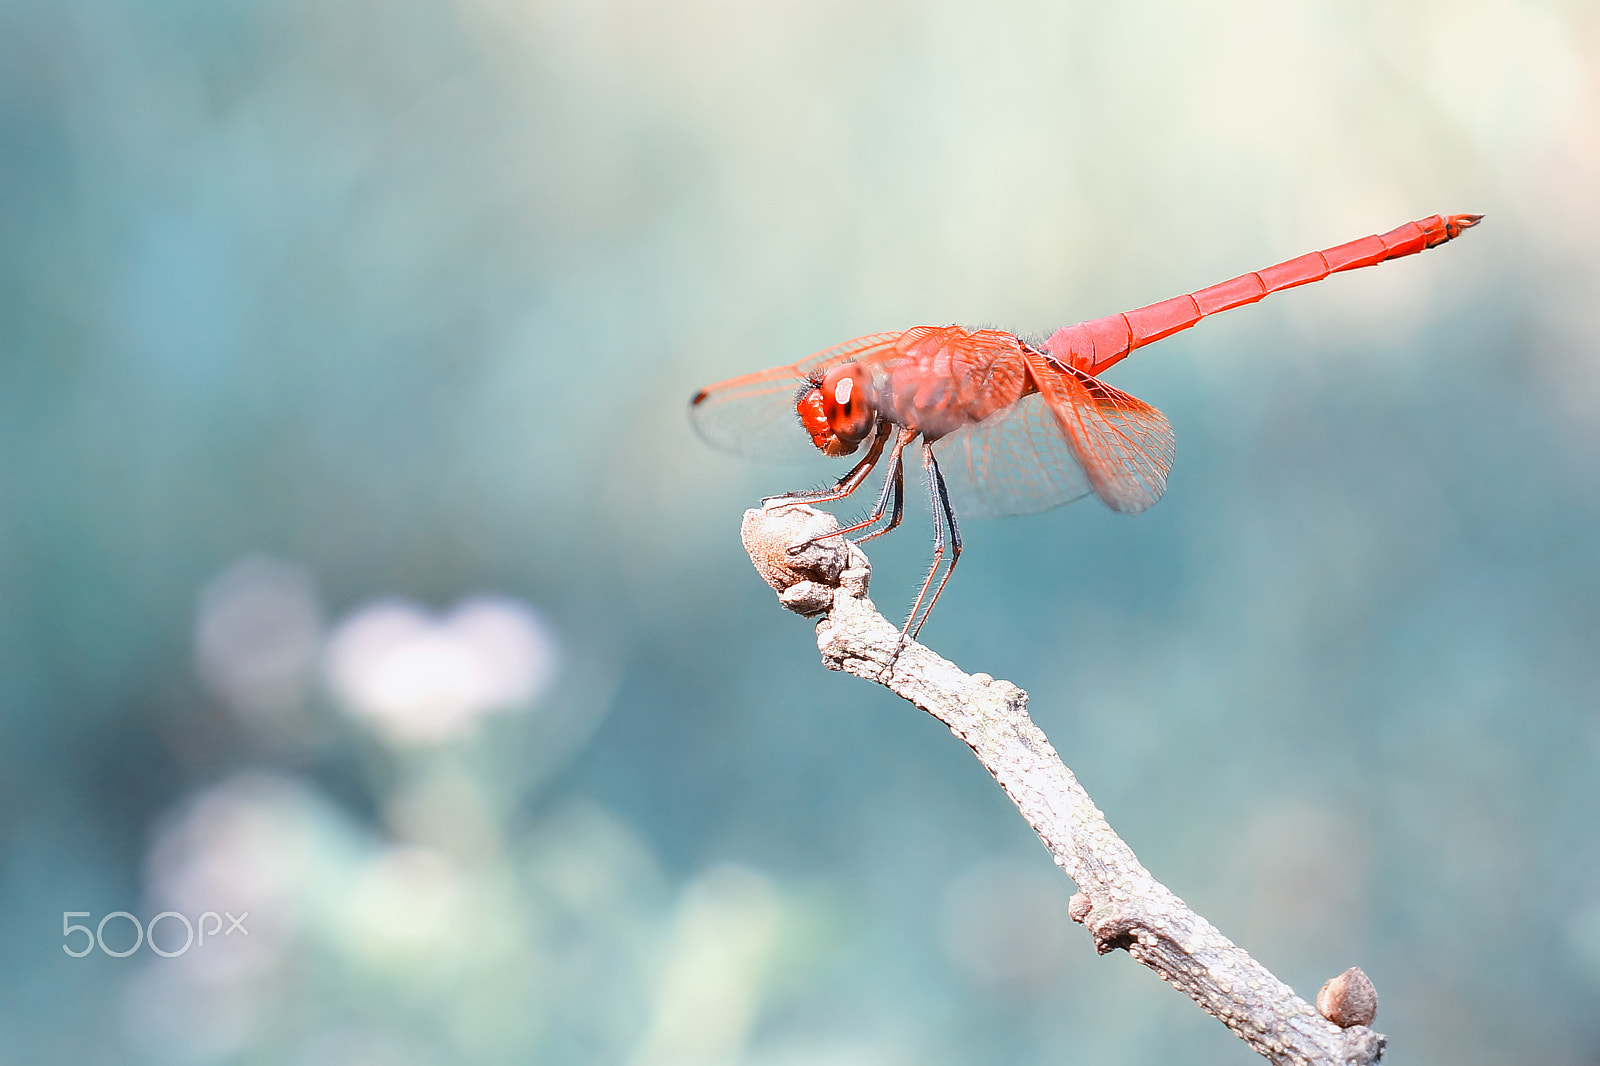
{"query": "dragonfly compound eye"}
[(814, 420), (847, 403)]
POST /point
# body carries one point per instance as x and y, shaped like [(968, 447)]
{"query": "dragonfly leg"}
[(850, 482), (897, 477), (943, 515), (893, 480)]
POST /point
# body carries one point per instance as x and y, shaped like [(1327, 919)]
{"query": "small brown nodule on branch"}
[(1118, 901), (1348, 999)]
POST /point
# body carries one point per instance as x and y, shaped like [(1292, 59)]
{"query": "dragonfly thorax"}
[(838, 411)]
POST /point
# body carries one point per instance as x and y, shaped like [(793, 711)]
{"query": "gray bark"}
[(1118, 901)]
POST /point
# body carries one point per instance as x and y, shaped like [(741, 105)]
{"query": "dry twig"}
[(1117, 900)]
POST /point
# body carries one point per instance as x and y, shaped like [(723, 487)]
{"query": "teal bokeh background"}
[(352, 305)]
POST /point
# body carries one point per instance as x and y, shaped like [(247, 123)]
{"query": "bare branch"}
[(1117, 900)]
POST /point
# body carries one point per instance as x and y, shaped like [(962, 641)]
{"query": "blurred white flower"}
[(264, 849), (256, 842), (421, 679), (257, 630)]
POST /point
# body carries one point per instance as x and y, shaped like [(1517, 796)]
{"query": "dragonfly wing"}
[(754, 415), (866, 349), (1123, 445), (1014, 462)]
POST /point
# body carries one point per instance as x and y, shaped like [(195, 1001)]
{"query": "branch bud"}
[(1348, 999)]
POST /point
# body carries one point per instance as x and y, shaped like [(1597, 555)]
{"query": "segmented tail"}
[(1093, 346)]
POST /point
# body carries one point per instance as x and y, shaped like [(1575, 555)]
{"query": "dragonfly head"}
[(838, 410)]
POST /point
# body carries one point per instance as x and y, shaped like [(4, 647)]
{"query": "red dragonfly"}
[(1008, 426)]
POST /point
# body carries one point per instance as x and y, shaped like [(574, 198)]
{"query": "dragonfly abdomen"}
[(1095, 345)]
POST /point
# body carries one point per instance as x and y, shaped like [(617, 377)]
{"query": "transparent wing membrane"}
[(1016, 462), (1077, 436), (754, 415), (1122, 444)]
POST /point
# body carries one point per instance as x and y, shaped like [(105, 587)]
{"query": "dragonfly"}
[(1008, 425)]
